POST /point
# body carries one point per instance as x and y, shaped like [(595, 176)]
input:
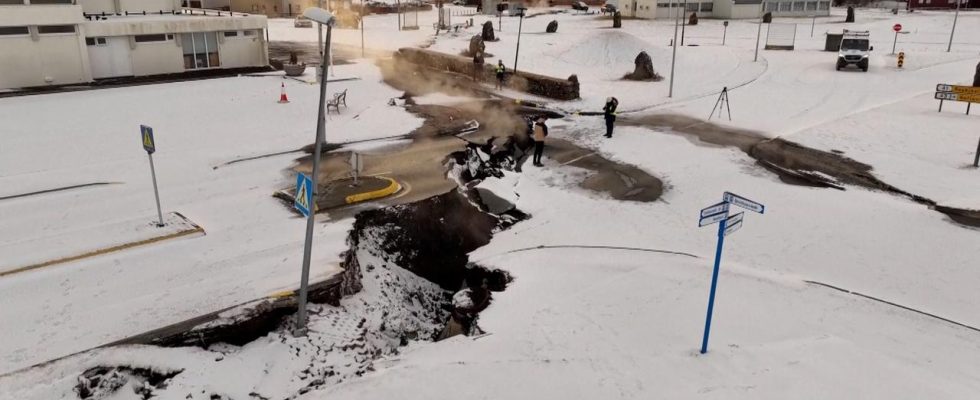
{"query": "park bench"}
[(338, 100)]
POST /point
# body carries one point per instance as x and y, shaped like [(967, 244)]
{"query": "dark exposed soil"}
[(793, 163)]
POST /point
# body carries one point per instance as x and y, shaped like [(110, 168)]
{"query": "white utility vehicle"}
[(855, 49)]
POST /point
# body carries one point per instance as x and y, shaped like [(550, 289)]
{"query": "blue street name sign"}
[(713, 218), (740, 201), (304, 194), (733, 224), (714, 209)]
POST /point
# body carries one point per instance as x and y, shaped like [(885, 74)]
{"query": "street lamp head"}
[(521, 10), (319, 15)]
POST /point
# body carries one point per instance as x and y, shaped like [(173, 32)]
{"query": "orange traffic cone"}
[(282, 96)]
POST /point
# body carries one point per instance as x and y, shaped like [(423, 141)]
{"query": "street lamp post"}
[(684, 22), (673, 58), (758, 37), (952, 31), (362, 28), (319, 32), (520, 25), (323, 17)]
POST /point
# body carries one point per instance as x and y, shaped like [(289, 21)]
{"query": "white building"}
[(58, 42), (724, 9)]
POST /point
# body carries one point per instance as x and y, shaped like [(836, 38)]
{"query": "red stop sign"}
[(897, 28)]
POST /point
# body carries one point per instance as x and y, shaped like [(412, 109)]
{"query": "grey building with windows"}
[(59, 42), (723, 9)]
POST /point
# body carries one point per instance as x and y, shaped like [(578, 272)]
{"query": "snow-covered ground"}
[(575, 323), (253, 245)]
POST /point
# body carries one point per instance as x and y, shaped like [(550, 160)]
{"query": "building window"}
[(96, 41), (707, 7), (785, 6), (11, 2), (150, 38), (51, 1), (14, 30), (811, 6), (249, 33), (200, 50), (771, 6), (55, 29), (824, 5), (231, 33), (691, 7)]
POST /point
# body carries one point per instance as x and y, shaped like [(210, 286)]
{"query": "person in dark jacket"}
[(540, 132), (609, 113), (500, 72)]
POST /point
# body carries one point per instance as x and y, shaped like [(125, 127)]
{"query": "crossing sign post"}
[(727, 225), (304, 194), (146, 136)]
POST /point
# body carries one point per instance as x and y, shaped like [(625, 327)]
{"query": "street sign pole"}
[(149, 144), (727, 224), (953, 31), (813, 24), (976, 158), (895, 43), (724, 33), (714, 286), (156, 193), (758, 36), (318, 147), (673, 59)]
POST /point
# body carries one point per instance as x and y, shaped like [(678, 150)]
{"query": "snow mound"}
[(606, 49)]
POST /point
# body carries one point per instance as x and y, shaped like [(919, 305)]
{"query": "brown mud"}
[(792, 162)]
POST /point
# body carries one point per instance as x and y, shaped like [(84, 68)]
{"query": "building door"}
[(109, 56)]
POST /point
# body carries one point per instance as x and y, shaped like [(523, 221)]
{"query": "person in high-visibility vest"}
[(500, 71), (609, 113)]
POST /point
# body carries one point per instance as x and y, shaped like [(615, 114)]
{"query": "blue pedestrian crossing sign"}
[(304, 194), (146, 135)]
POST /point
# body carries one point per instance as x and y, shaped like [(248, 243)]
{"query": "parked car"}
[(609, 8), (459, 2), (302, 22), (580, 6)]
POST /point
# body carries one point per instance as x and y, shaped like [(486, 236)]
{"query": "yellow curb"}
[(281, 294), (376, 194), (196, 229)]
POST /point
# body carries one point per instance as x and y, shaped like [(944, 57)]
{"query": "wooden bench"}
[(338, 100)]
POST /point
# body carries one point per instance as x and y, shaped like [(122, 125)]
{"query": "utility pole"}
[(673, 60), (952, 31), (520, 25), (759, 35), (813, 24)]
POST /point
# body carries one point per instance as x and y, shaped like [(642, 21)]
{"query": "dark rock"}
[(693, 20), (617, 20), (976, 76), (488, 32), (850, 14), (476, 46), (767, 18), (644, 69), (552, 27)]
